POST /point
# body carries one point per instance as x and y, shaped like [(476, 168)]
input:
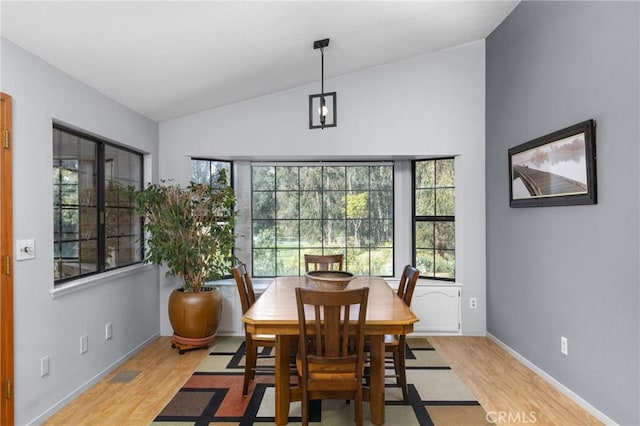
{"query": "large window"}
[(96, 227), (434, 218), (322, 209)]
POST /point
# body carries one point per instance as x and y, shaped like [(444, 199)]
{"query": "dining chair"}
[(323, 262), (330, 361), (252, 342), (396, 344)]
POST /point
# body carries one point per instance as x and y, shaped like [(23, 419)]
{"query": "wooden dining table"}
[(275, 312)]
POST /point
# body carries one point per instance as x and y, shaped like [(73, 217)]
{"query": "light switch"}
[(25, 249)]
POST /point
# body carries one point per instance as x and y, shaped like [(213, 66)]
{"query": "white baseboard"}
[(474, 333), (97, 378), (553, 382)]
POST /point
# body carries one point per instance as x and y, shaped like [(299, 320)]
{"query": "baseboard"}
[(553, 382), (474, 333), (94, 380)]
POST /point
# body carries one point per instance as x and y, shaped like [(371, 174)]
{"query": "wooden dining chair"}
[(252, 342), (330, 360), (323, 262), (396, 344)]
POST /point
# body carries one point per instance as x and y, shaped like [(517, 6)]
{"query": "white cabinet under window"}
[(231, 322), (438, 308)]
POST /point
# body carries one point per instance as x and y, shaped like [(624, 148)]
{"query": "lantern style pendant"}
[(322, 106)]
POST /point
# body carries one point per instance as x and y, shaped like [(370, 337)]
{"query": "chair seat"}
[(391, 340), (263, 338), (328, 377), (329, 371)]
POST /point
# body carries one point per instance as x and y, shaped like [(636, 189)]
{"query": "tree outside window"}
[(309, 208), (434, 218), (96, 227)]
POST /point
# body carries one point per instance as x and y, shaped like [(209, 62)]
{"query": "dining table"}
[(275, 312)]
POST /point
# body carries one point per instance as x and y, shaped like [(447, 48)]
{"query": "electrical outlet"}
[(564, 345), (44, 366), (108, 329), (84, 344), (473, 303)]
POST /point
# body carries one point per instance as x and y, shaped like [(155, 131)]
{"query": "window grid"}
[(434, 218), (276, 252), (206, 171), (96, 227)]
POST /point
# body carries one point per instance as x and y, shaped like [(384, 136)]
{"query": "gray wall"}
[(568, 271), (47, 322)]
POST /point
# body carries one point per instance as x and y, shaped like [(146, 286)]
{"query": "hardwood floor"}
[(508, 390), (162, 372)]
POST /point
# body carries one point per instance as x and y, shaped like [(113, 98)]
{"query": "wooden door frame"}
[(6, 264)]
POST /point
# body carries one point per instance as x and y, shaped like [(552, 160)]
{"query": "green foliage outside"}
[(322, 210), (435, 210)]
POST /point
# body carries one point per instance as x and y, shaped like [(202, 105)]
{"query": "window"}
[(96, 227), (207, 171), (434, 218), (323, 209)]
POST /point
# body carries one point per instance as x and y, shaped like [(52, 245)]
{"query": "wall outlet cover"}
[(25, 249)]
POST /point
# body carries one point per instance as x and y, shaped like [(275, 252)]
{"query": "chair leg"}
[(359, 413), (304, 404), (249, 365), (401, 372)]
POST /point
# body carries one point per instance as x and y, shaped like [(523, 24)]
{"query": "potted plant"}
[(190, 231)]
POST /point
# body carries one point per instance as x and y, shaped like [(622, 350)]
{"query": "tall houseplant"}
[(190, 231)]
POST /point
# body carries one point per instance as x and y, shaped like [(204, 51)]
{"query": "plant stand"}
[(184, 344)]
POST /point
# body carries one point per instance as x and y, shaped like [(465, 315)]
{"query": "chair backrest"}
[(337, 319), (323, 262), (407, 284), (245, 286)]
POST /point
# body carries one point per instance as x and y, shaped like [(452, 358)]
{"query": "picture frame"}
[(558, 169)]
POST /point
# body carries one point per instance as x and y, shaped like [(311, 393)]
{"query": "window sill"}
[(259, 284), (94, 280), (426, 282)]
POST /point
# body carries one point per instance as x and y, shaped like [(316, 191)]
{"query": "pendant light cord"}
[(322, 71)]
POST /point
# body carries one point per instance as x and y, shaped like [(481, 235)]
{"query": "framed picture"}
[(558, 169)]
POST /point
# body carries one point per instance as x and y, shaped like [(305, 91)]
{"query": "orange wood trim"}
[(6, 264)]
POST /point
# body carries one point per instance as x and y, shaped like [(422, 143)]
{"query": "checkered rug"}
[(213, 395)]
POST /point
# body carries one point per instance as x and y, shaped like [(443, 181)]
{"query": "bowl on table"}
[(328, 280)]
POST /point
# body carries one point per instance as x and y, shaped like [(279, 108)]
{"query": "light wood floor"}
[(508, 390)]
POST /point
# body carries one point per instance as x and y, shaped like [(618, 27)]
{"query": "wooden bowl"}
[(328, 280)]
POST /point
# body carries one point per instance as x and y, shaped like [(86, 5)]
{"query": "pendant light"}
[(322, 106)]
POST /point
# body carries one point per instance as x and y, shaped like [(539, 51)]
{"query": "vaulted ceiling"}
[(166, 59)]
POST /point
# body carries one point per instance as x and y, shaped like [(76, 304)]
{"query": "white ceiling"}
[(169, 59)]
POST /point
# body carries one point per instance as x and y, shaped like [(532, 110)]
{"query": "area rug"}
[(213, 394)]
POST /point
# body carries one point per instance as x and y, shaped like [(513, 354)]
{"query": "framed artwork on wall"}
[(558, 169)]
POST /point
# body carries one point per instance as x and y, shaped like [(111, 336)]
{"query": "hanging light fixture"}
[(322, 106)]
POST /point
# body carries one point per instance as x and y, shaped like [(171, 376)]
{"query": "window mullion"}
[(435, 218), (100, 184)]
